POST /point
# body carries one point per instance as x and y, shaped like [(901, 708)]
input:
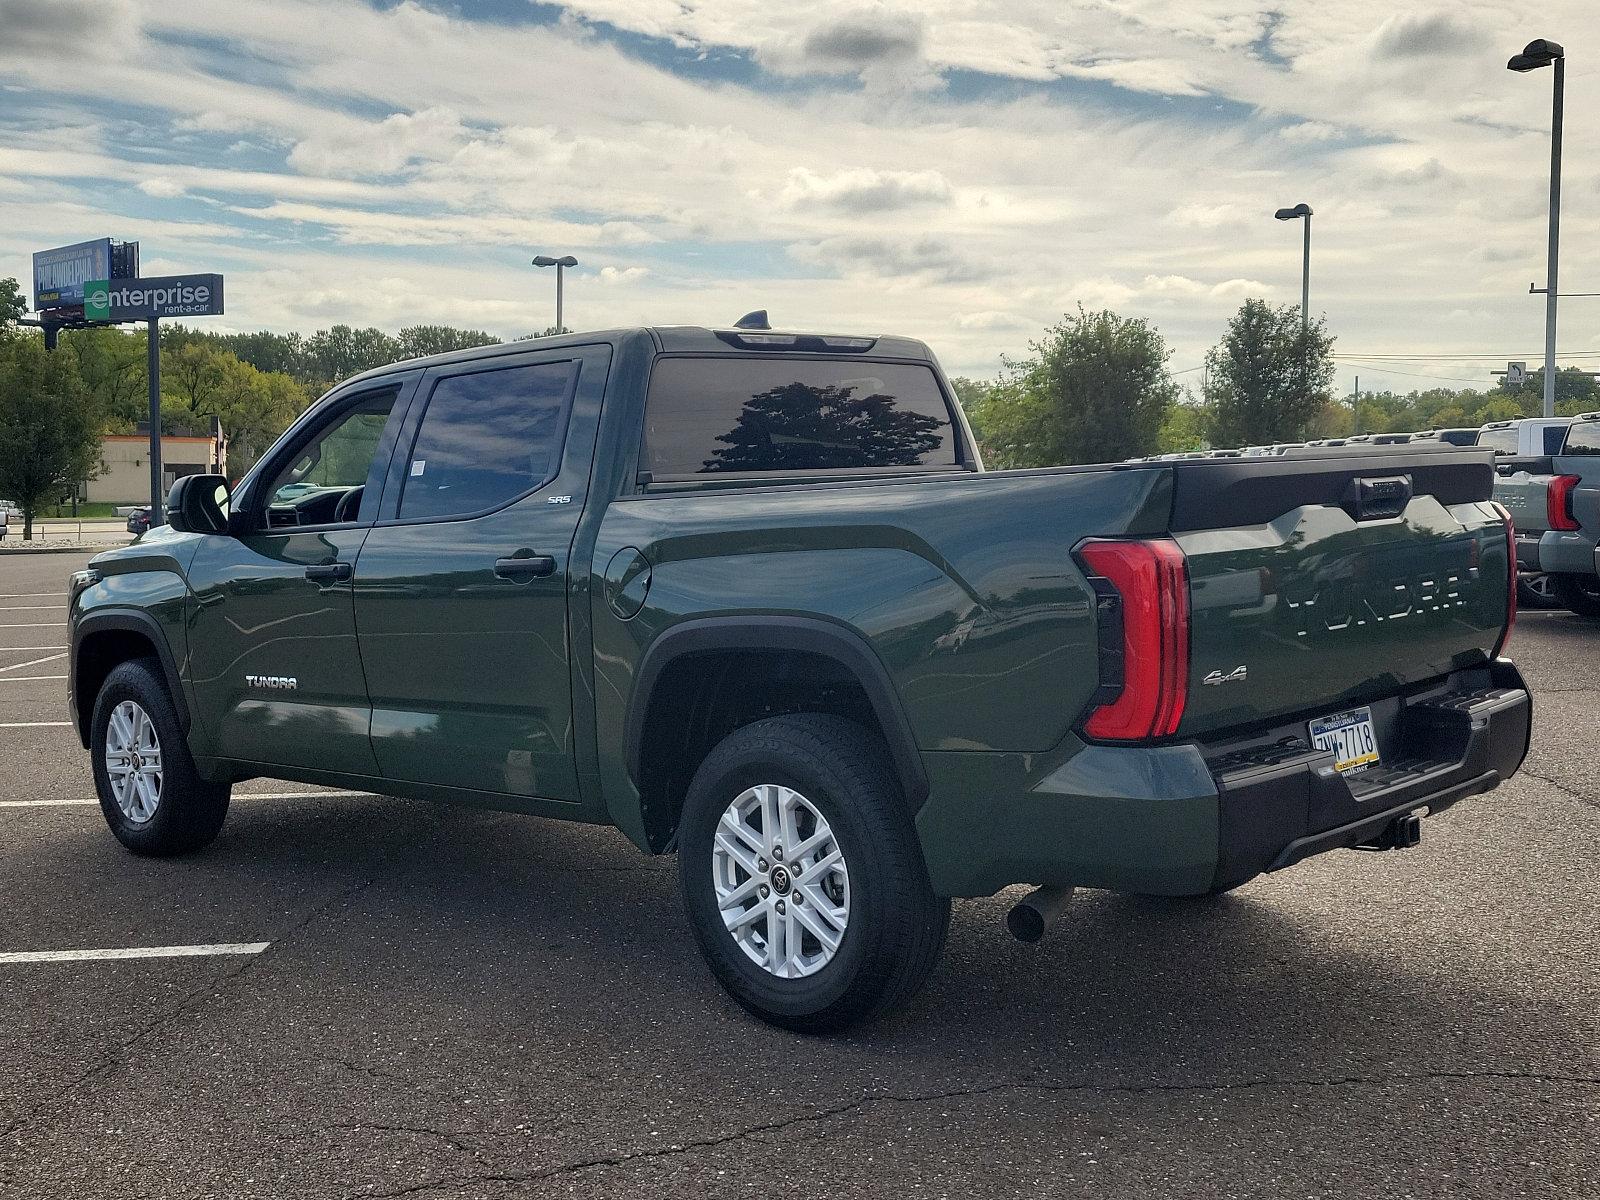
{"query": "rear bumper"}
[(1184, 819), (1564, 552)]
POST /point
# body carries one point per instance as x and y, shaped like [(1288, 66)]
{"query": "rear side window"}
[(486, 438), (1583, 438), (706, 415), (1501, 441)]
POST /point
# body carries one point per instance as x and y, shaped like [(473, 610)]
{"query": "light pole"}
[(1534, 55), (1290, 214), (560, 264)]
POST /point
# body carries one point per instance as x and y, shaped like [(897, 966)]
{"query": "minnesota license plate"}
[(1349, 735)]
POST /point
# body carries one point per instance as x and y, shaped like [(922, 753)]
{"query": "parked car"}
[(1525, 437), (750, 596), (1555, 502), (139, 521), (1454, 437)]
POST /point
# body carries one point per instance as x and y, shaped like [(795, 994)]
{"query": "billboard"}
[(59, 274), (153, 296)]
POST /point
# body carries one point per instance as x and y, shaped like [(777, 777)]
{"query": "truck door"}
[(461, 589), (273, 639)]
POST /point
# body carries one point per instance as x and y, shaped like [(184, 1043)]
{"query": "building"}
[(125, 464)]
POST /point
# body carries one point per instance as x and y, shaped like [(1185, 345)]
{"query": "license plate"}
[(1349, 735)]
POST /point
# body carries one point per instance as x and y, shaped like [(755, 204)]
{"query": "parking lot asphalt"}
[(460, 1003)]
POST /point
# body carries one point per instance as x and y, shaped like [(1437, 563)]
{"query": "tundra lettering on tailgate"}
[(1357, 602)]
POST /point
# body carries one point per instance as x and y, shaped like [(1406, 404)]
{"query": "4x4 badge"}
[(1238, 675)]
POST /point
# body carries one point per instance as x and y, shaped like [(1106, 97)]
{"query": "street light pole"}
[(560, 264), (1290, 214), (1536, 54)]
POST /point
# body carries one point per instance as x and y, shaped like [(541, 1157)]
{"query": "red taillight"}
[(1558, 503), (1151, 580), (1511, 573)]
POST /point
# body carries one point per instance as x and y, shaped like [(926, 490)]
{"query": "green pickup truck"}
[(749, 596)]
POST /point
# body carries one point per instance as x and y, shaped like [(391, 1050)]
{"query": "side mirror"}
[(199, 504)]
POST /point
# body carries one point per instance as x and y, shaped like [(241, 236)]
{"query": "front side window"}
[(1583, 438), (723, 413), (325, 483), (486, 438)]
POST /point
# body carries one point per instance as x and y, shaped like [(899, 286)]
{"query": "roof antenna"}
[(753, 320)]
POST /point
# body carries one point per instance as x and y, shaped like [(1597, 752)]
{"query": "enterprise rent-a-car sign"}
[(155, 296)]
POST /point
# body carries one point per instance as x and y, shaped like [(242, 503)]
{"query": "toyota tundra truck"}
[(750, 597), (1554, 501)]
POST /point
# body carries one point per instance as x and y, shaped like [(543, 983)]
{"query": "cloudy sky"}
[(959, 172)]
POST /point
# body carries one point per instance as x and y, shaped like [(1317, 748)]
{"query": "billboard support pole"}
[(153, 372)]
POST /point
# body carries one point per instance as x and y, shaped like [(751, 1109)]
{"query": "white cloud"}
[(1127, 156)]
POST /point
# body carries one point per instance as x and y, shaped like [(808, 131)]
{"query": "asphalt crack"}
[(1586, 801), (196, 996), (826, 1114)]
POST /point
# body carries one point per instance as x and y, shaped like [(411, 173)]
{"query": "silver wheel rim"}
[(133, 761), (782, 885), (1539, 585)]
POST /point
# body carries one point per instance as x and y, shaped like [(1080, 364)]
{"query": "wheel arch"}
[(103, 639), (846, 655)]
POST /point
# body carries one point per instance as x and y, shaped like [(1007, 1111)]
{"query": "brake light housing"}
[(1142, 603), (1511, 576), (1558, 503)]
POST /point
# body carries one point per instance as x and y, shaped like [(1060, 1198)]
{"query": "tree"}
[(418, 341), (1267, 380), (49, 427), (1576, 391), (12, 303), (1183, 430), (1095, 390), (798, 426)]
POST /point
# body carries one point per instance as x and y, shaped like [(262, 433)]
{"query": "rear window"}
[(1499, 440), (1583, 438), (707, 415)]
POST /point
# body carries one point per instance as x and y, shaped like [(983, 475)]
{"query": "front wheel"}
[(802, 876), (1580, 593), (153, 798)]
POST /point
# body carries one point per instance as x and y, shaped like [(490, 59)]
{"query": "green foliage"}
[(1096, 389), (1184, 429), (12, 304), (1268, 379), (49, 427), (419, 341)]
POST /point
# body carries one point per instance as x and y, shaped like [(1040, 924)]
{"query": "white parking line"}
[(33, 625), (47, 956), (29, 678), (33, 663), (33, 608), (29, 595), (33, 724), (32, 647), (237, 796)]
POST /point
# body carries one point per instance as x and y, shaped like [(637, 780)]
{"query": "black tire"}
[(896, 926), (1534, 591), (1580, 593), (188, 812)]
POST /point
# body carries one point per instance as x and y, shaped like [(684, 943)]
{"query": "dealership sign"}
[(151, 297), (59, 274)]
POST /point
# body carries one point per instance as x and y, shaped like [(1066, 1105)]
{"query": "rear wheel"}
[(1580, 593), (150, 793), (1534, 591), (802, 875)]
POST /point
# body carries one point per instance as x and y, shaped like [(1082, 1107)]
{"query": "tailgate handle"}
[(1373, 497)]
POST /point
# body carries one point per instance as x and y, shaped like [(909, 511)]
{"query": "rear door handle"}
[(334, 572), (534, 567)]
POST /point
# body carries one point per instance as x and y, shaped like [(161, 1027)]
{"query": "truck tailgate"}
[(1522, 485), (1319, 583)]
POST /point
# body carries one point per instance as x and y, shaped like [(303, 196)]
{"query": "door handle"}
[(334, 572), (535, 567)]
